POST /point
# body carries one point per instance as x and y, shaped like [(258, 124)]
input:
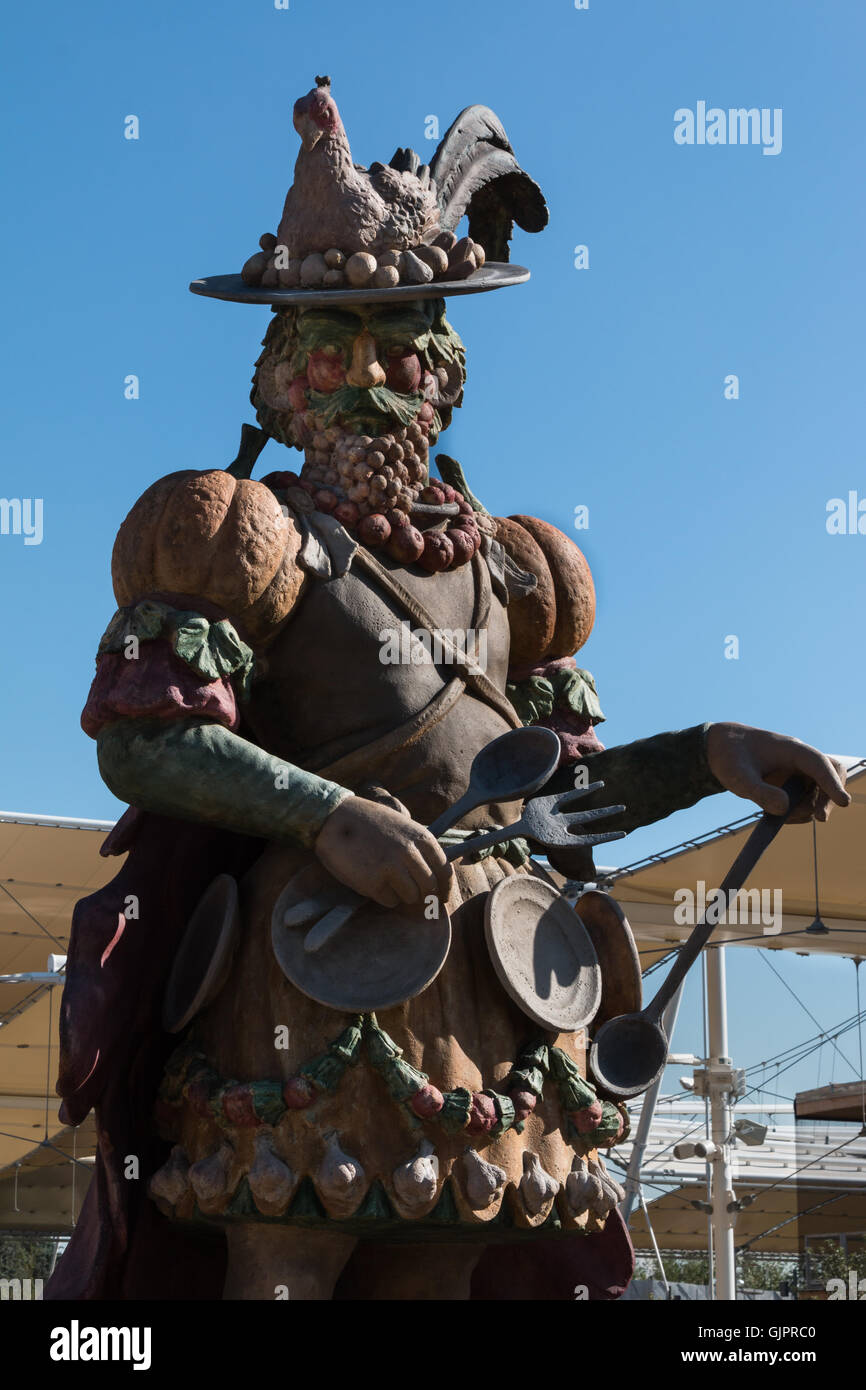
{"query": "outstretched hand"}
[(382, 854), (753, 763)]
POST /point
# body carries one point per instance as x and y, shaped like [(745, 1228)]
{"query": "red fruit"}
[(398, 518), (524, 1103), (280, 481), (482, 1114), (374, 531), (450, 495), (309, 488), (427, 1102), (463, 507), (325, 370), (347, 513), (588, 1118), (297, 393), (425, 414), (438, 552), (238, 1108), (432, 495), (406, 545), (298, 1093), (464, 545), (403, 373), (325, 499)]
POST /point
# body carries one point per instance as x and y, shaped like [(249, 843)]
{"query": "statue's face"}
[(363, 391)]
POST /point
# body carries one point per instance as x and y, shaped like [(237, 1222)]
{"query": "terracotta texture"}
[(573, 586), (532, 620), (332, 203), (220, 539)]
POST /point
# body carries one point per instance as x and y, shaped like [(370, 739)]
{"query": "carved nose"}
[(365, 370)]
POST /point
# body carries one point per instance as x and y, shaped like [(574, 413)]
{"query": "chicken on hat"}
[(361, 369), (389, 232)]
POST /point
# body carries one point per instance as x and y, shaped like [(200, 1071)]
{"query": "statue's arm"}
[(652, 777), (199, 770), (207, 570)]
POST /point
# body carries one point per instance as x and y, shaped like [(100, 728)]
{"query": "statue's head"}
[(363, 391)]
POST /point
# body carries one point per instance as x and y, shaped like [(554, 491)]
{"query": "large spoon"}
[(516, 764), (630, 1052), (512, 766)]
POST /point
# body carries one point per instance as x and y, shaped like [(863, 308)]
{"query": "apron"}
[(360, 1158)]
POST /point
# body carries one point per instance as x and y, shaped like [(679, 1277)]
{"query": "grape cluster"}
[(375, 474)]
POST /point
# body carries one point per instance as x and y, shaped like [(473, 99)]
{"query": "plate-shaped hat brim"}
[(494, 275)]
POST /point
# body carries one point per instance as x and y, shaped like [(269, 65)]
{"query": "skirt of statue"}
[(398, 1124)]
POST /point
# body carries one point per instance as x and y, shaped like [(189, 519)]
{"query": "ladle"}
[(630, 1052)]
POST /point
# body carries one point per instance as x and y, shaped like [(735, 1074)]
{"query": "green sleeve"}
[(652, 778), (198, 770)]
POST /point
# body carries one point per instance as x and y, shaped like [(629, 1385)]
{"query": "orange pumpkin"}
[(573, 591), (215, 537), (531, 619)]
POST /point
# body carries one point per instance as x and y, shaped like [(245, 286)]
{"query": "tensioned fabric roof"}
[(646, 890), (806, 1179), (46, 864), (646, 894)]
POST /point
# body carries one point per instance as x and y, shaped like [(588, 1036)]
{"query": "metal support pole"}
[(647, 1114), (656, 1251), (719, 1072)]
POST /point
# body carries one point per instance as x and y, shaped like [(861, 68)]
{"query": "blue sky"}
[(601, 387)]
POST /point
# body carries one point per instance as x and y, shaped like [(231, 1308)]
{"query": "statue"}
[(335, 1041)]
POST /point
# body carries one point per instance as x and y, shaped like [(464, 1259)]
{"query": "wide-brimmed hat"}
[(352, 235)]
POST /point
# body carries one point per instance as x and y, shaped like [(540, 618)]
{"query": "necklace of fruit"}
[(441, 530)]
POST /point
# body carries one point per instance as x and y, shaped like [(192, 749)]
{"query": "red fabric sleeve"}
[(157, 685)]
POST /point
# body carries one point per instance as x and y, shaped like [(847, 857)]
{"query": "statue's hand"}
[(753, 763), (382, 854)]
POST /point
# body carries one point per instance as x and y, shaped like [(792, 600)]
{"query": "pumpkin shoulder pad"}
[(220, 539), (556, 617)]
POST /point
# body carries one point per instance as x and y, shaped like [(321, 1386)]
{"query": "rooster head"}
[(316, 114)]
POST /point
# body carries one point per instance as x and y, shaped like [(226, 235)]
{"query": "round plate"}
[(610, 934), (204, 956), (494, 275), (378, 959), (542, 953)]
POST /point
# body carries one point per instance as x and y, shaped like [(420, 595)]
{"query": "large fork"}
[(547, 821)]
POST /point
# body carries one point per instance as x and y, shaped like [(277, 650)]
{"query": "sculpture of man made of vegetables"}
[(350, 1047)]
